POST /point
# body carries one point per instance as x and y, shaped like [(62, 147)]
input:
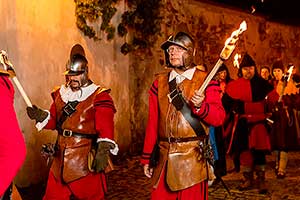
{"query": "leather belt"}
[(69, 133), (182, 139)]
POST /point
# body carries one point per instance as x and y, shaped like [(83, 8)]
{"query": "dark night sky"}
[(283, 11)]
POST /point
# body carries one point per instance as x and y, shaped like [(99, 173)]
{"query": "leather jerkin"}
[(181, 160)]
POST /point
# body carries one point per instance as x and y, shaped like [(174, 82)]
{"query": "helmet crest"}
[(77, 64)]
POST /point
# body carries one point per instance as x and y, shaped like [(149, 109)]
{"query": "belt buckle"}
[(67, 133)]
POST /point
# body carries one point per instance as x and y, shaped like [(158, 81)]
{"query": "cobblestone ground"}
[(127, 182)]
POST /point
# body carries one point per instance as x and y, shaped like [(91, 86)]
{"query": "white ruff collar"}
[(68, 95)]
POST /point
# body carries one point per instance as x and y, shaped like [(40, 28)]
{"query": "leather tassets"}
[(74, 153), (182, 162), (186, 166)]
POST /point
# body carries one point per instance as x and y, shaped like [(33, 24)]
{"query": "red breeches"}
[(91, 187), (196, 192)]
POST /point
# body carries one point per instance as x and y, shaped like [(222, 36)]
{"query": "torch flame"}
[(236, 33), (236, 60), (290, 71), (243, 27)]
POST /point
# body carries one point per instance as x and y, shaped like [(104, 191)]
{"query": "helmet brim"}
[(73, 73), (168, 43)]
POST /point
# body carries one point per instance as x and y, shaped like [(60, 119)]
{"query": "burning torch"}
[(236, 60), (286, 79), (227, 50), (9, 67)]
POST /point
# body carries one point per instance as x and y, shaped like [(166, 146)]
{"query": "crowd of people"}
[(189, 133)]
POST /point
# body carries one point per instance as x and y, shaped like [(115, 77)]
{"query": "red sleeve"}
[(12, 145), (52, 121), (152, 124), (211, 110), (104, 115), (273, 97)]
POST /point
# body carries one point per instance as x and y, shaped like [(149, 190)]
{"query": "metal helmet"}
[(77, 64), (183, 40)]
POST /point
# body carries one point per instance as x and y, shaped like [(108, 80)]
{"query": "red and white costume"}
[(69, 174), (160, 126)]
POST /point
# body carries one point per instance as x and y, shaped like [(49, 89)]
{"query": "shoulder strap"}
[(180, 104), (68, 110)]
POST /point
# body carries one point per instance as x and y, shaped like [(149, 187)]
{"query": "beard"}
[(74, 85)]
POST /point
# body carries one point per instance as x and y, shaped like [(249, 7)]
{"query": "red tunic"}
[(93, 185), (285, 133), (12, 145), (104, 114), (251, 95), (211, 112)]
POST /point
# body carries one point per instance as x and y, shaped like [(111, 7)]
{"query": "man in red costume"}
[(82, 113), (283, 104), (12, 144), (246, 98), (182, 171)]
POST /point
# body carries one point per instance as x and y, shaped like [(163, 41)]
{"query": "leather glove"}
[(48, 150), (101, 159), (36, 113)]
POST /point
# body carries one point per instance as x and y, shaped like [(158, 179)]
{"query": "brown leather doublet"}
[(70, 162), (172, 123)]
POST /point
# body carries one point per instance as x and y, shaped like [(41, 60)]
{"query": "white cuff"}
[(41, 125), (113, 151)]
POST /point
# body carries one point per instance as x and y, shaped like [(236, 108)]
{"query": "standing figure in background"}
[(12, 144), (82, 113), (245, 97), (182, 170), (284, 129), (265, 73), (217, 134)]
